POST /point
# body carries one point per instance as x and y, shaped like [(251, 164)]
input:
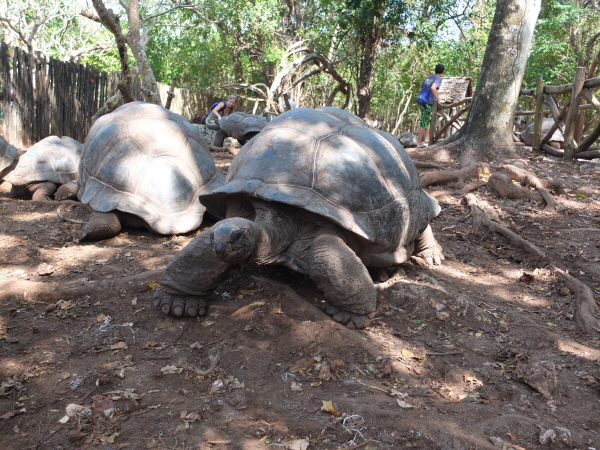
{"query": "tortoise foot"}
[(179, 305), (428, 248), (352, 320)]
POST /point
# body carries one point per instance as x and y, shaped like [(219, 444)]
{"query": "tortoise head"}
[(234, 240)]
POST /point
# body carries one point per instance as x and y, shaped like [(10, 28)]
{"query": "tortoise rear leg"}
[(42, 191), (344, 280), (189, 278), (428, 248), (101, 225)]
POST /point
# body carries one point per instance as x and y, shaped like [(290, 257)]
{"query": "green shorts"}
[(425, 115)]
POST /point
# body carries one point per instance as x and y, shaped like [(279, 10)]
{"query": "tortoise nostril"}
[(219, 247)]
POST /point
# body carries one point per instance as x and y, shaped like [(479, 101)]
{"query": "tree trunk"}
[(486, 135), (137, 39), (370, 45)]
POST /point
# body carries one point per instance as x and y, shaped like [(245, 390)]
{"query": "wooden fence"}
[(41, 97), (565, 119)]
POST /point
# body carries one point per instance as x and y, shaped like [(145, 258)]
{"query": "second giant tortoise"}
[(50, 163), (9, 157), (148, 165), (242, 126), (322, 193)]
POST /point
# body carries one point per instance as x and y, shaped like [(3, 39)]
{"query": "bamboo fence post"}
[(539, 107), (572, 114), (433, 123)]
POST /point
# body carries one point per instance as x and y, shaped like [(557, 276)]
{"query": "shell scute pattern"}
[(331, 163), (51, 159), (149, 162)]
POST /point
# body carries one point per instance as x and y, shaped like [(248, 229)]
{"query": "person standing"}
[(221, 110), (427, 95)]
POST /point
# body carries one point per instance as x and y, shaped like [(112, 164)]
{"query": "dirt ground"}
[(481, 353)]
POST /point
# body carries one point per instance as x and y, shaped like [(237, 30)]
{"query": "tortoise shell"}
[(8, 156), (145, 160), (330, 162), (51, 159), (242, 126)]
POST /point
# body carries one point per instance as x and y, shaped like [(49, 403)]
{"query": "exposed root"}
[(460, 192), (526, 178), (588, 312), (430, 165), (448, 176), (502, 186)]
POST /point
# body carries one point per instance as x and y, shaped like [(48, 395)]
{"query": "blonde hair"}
[(232, 96)]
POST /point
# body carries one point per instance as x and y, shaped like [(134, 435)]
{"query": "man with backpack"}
[(427, 95)]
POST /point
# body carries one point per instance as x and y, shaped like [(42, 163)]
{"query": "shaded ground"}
[(449, 362)]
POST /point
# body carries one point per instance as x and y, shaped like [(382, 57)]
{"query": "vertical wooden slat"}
[(6, 83), (539, 108), (572, 114)]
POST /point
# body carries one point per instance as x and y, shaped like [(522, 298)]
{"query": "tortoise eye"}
[(236, 235)]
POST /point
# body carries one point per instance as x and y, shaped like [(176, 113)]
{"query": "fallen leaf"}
[(189, 417), (119, 346), (589, 378), (75, 435), (296, 387), (310, 406), (328, 407), (62, 304), (153, 285), (197, 345), (303, 365), (298, 444), (325, 372), (103, 404), (403, 404), (171, 369), (512, 435)]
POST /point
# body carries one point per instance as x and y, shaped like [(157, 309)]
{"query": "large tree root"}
[(459, 176), (588, 313), (526, 178), (458, 192), (502, 186)]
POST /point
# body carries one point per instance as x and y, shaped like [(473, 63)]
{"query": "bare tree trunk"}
[(486, 135), (370, 45), (137, 39)]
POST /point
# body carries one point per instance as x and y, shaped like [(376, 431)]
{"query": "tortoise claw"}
[(178, 305)]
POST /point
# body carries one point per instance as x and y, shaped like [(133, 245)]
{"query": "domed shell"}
[(242, 126), (8, 155), (144, 160), (51, 159), (330, 162)]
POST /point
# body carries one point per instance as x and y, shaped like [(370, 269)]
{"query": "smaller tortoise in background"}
[(50, 163), (322, 193), (242, 126), (147, 166)]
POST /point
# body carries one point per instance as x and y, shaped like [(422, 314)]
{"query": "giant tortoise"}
[(322, 193), (48, 164), (242, 126), (9, 157), (146, 165)]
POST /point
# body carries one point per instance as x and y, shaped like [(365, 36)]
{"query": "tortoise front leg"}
[(189, 278), (428, 248), (344, 280)]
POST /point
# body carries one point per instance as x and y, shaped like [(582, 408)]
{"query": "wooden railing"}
[(575, 145)]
